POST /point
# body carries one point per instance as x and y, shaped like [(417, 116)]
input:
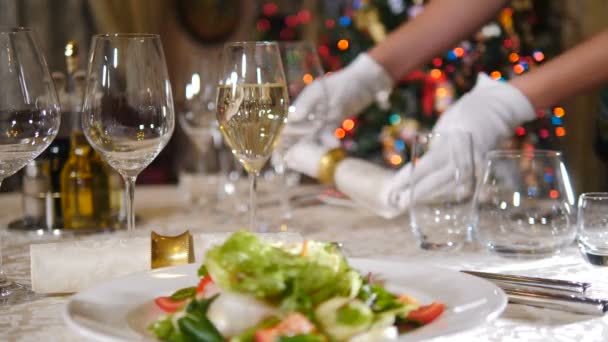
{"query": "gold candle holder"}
[(171, 250)]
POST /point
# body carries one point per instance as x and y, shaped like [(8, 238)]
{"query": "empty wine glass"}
[(128, 108), (29, 111), (252, 105), (524, 204)]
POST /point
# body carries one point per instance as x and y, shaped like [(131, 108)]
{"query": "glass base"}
[(595, 259), (442, 246), (13, 293), (515, 253)]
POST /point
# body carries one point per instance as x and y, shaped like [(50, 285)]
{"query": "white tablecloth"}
[(364, 235)]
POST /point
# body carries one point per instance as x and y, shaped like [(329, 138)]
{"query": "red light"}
[(270, 9), (450, 68), (263, 25), (508, 43), (330, 23), (340, 133), (560, 131), (323, 50), (437, 62), (348, 124), (304, 16), (554, 194), (520, 131), (543, 133), (540, 113), (291, 21)]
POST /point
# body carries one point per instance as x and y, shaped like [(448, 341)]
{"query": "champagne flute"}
[(29, 112), (128, 108), (252, 105)]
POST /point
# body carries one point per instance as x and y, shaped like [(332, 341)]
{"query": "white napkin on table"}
[(67, 267)]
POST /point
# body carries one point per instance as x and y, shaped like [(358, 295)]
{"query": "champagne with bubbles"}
[(251, 117)]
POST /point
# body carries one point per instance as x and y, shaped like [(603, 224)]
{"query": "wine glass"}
[(252, 104), (524, 205), (29, 111), (127, 114)]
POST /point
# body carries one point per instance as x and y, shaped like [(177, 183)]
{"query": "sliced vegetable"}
[(198, 328), (184, 293), (249, 334), (206, 280), (169, 305), (426, 314), (343, 317), (202, 271), (301, 338)]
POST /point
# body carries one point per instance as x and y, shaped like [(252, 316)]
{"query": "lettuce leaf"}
[(248, 265)]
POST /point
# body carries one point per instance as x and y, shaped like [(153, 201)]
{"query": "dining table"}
[(315, 215)]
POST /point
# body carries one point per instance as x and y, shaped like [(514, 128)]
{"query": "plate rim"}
[(86, 331)]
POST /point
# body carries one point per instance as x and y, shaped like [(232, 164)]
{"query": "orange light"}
[(343, 44), (538, 56), (348, 124), (459, 52), (340, 133), (307, 78), (518, 68), (441, 92), (395, 159), (495, 75), (513, 57), (559, 112), (560, 131), (435, 73), (554, 194)]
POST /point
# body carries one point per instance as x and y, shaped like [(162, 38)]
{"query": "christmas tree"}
[(518, 40)]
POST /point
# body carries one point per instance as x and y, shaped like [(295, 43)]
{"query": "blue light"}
[(344, 21), (532, 191), (556, 120), (394, 119), (399, 145), (548, 177), (451, 55), (525, 65)]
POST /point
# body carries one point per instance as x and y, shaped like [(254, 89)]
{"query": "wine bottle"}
[(85, 187)]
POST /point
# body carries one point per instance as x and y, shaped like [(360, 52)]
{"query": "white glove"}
[(489, 112), (348, 91)]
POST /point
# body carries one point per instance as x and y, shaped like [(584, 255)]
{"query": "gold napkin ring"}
[(328, 164), (171, 250)]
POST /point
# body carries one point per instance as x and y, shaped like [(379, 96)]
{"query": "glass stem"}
[(4, 282), (129, 199), (253, 184)]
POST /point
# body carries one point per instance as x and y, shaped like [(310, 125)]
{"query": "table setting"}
[(496, 243)]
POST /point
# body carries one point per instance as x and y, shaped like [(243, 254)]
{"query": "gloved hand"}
[(347, 91), (490, 112)]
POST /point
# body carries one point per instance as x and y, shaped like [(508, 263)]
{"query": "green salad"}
[(251, 290)]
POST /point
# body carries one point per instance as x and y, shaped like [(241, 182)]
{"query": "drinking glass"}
[(29, 111), (302, 67), (252, 104), (128, 108), (524, 204), (442, 185), (592, 223)]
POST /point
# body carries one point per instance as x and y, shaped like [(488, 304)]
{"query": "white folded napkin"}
[(71, 266)]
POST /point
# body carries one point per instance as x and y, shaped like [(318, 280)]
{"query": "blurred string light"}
[(342, 44), (340, 133), (348, 124), (345, 21), (307, 78)]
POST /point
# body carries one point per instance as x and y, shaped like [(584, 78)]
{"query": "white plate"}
[(120, 309)]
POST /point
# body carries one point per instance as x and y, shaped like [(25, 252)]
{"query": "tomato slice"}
[(266, 335), (169, 305), (426, 314), (206, 280)]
